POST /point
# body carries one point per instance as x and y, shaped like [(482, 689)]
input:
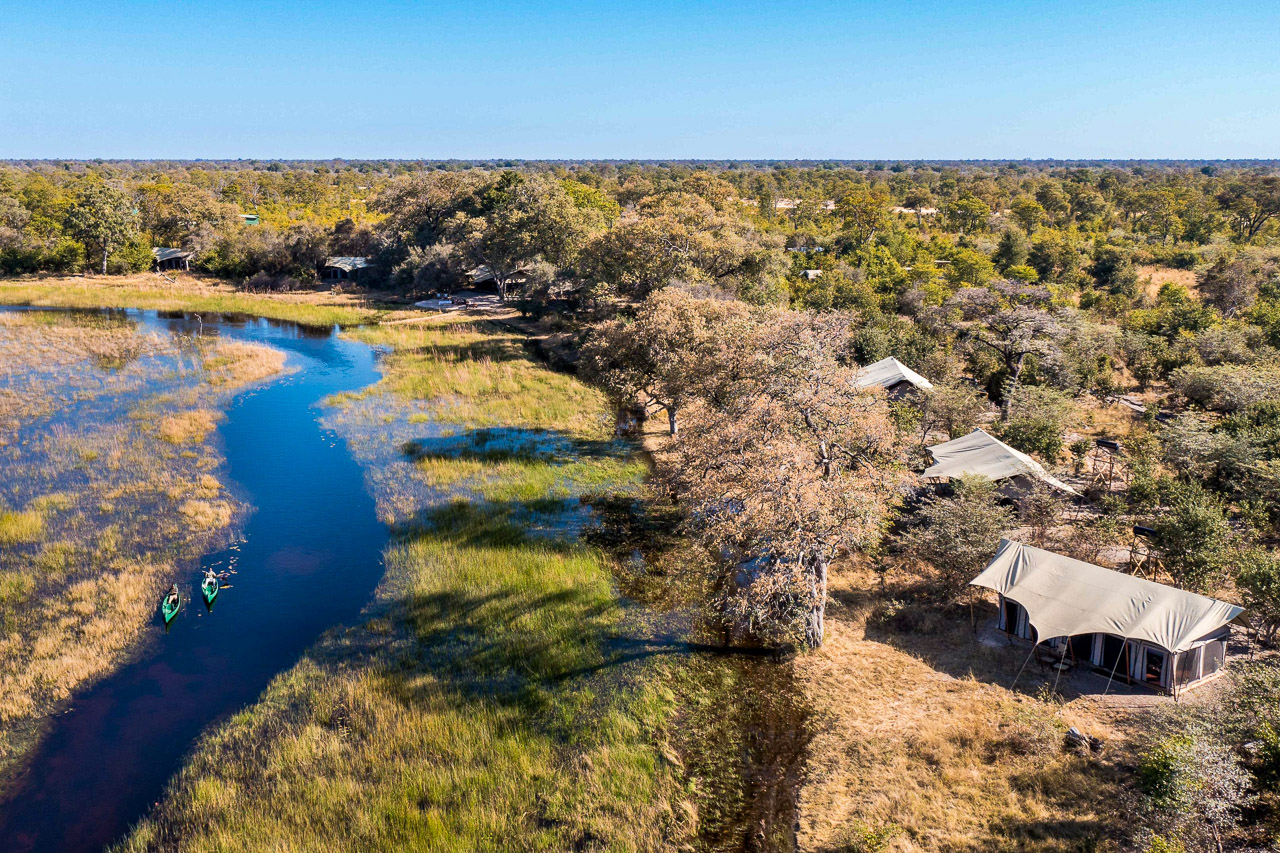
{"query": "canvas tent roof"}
[(888, 372), (1063, 597), (163, 254), (984, 454), (349, 264)]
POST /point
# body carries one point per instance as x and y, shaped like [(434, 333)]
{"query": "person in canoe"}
[(210, 585), (169, 606)]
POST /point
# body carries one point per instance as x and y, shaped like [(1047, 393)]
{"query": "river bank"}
[(502, 688)]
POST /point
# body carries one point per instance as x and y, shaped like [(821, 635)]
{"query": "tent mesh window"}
[(1188, 669), (1214, 653)]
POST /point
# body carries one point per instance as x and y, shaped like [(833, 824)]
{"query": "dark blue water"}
[(310, 557)]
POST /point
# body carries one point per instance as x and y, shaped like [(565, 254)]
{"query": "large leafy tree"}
[(680, 236), (1250, 203), (103, 218), (675, 350), (792, 465), (520, 222)]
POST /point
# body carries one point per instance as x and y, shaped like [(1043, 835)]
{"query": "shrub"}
[(1227, 388)]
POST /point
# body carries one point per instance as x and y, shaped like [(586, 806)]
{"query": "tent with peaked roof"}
[(982, 454), (891, 375), (1167, 637)]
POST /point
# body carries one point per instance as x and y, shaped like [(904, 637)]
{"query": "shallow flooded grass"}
[(499, 694), (107, 483), (147, 291)]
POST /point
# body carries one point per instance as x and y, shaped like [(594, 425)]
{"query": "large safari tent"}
[(893, 376), (981, 454), (1131, 628)]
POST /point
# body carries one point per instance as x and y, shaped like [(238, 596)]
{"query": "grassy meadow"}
[(107, 482), (191, 293)]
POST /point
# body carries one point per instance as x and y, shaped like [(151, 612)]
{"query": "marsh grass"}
[(476, 376), (107, 485), (320, 309), (19, 527), (493, 696)]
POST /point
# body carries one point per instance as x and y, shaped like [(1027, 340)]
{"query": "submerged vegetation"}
[(107, 484), (493, 698)]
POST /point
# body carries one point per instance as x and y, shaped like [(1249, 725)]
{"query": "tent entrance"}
[(1153, 666), (1011, 609), (1082, 647), (1112, 649)]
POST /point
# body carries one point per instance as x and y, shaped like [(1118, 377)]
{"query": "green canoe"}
[(209, 587), (172, 601)]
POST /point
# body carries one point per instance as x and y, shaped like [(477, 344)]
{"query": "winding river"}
[(309, 558)]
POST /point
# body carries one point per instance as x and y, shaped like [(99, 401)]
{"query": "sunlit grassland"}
[(148, 291), (485, 702), (107, 483), (478, 376)]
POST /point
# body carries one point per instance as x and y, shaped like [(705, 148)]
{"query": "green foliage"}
[(103, 218), (1193, 536), (1036, 420), (1257, 576), (953, 534)]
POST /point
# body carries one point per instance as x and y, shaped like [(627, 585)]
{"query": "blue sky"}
[(569, 79)]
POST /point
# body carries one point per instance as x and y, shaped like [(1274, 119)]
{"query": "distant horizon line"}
[(816, 161)]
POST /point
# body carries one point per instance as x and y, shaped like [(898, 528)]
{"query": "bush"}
[(133, 256), (1226, 388), (1036, 416)]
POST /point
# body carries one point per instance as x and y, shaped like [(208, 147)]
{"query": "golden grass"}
[(237, 363), (918, 735), (191, 426), (194, 293), (17, 527), (1152, 278)]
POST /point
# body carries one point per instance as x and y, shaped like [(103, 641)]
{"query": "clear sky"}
[(646, 79)]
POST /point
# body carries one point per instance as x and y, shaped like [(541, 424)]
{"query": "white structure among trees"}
[(1132, 628)]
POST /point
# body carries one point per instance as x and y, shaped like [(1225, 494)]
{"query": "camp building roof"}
[(348, 264), (1064, 597), (985, 455), (888, 372), (162, 254)]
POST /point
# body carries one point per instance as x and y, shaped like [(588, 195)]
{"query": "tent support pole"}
[(1124, 653), (1024, 664), (1061, 663)]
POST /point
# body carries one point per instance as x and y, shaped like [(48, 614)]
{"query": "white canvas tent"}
[(889, 373), (1170, 638), (985, 455)]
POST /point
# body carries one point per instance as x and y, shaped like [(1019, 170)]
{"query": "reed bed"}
[(108, 485)]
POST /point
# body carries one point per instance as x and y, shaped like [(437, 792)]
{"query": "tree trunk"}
[(104, 258), (671, 420), (815, 629)]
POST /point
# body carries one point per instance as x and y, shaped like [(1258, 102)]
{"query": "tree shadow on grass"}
[(511, 444), (963, 642)]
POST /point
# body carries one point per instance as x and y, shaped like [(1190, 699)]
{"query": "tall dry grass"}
[(105, 506)]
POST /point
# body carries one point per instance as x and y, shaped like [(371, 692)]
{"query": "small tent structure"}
[(171, 259), (893, 376), (1133, 628), (980, 453), (344, 269)]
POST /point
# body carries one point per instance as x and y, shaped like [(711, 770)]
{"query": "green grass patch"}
[(19, 527), (66, 294), (479, 377)]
